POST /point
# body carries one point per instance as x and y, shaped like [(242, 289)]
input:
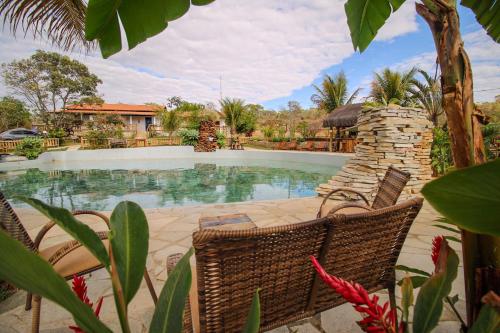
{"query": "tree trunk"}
[(463, 124)]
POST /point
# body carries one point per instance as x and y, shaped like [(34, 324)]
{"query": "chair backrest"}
[(10, 223), (390, 188), (364, 248), (232, 264)]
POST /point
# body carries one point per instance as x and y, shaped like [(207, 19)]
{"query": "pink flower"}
[(376, 318), (436, 248), (80, 289)]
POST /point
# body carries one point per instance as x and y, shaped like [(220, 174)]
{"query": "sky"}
[(267, 52)]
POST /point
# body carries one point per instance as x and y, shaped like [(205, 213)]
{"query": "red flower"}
[(80, 289), (436, 248), (376, 318)]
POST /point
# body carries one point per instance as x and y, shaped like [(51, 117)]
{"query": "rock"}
[(397, 136), (207, 139)]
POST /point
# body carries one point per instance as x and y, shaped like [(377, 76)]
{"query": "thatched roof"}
[(344, 116)]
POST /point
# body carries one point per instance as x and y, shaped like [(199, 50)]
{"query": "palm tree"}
[(233, 109), (428, 95), (61, 21), (333, 93), (392, 87)]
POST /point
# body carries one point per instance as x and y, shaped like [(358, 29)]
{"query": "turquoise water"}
[(100, 188)]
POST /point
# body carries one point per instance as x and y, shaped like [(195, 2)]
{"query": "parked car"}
[(18, 134)]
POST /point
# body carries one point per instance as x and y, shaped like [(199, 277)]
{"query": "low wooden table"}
[(227, 222)]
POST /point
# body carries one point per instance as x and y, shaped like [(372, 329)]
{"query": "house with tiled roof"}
[(140, 117)]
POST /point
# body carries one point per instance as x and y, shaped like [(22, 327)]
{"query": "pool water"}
[(201, 183)]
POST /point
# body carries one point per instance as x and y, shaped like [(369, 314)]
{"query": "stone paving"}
[(170, 232)]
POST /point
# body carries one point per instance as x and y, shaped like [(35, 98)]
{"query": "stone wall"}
[(207, 139), (393, 135)]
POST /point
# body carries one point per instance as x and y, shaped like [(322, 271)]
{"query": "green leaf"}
[(416, 281), (429, 304), (129, 241), (406, 297), (110, 41), (488, 321), (446, 228), (366, 17), (28, 271), (487, 14), (470, 197), (100, 14), (175, 9), (140, 20), (453, 239), (411, 270), (78, 230), (168, 315), (201, 2), (252, 324)]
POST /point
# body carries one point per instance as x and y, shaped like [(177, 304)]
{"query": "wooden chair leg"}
[(150, 286), (35, 321), (29, 297)]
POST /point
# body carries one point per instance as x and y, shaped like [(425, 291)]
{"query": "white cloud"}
[(264, 49), (484, 54)]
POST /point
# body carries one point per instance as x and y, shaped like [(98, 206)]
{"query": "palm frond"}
[(353, 96), (333, 92), (62, 22)]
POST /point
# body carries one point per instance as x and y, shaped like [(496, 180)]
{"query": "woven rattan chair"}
[(67, 258), (232, 264), (388, 193)]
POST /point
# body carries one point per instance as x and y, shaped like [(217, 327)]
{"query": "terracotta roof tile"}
[(112, 107)]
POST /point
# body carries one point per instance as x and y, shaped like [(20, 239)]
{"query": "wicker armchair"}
[(67, 258), (232, 264), (388, 193)]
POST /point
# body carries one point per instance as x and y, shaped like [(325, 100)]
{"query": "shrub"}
[(441, 151), (57, 133), (30, 147), (490, 132), (189, 136), (97, 138), (268, 132), (221, 139)]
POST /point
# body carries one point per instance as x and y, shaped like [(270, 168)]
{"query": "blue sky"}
[(380, 54), (266, 51)]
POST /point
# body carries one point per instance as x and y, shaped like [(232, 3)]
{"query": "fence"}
[(11, 145), (127, 143)]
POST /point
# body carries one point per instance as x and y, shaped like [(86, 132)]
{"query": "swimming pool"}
[(167, 182)]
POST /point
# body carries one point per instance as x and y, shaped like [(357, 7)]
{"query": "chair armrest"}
[(172, 260), (341, 189), (348, 205), (71, 246), (49, 225)]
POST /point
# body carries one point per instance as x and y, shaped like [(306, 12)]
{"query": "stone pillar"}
[(397, 136), (207, 139)]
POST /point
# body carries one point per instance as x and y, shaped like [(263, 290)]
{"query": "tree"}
[(233, 109), (428, 95), (392, 87), (170, 120), (13, 113), (293, 115), (464, 122), (62, 22), (333, 93), (48, 82), (247, 123)]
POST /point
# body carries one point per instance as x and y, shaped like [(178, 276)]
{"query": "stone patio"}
[(170, 232)]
